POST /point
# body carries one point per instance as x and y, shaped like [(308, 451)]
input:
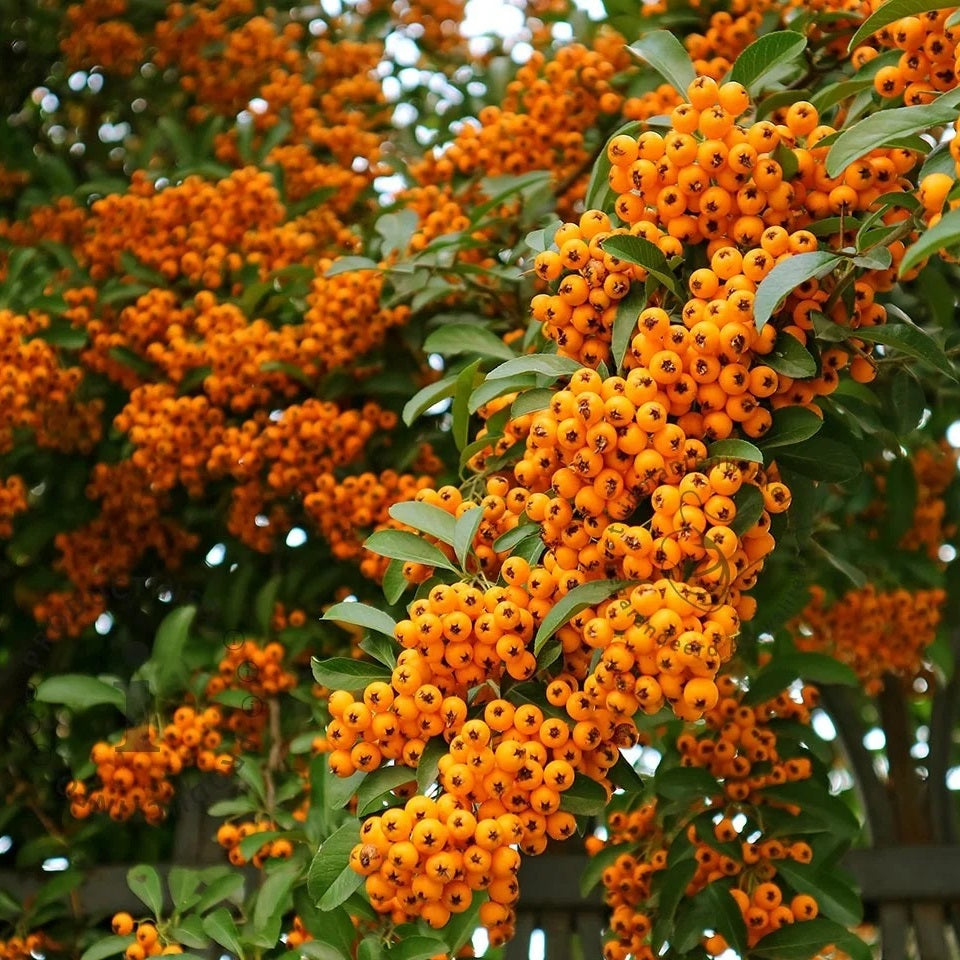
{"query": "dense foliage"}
[(422, 450)]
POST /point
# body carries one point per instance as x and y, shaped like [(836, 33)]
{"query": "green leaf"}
[(625, 321), (426, 518), (362, 615), (881, 128), (836, 900), (547, 364), (766, 56), (945, 233), (79, 691), (455, 338), (400, 545), (190, 933), (460, 408), (376, 787), (430, 762), (464, 531), (734, 450), (790, 425), (183, 885), (491, 389), (749, 501), (622, 774), (785, 277), (107, 947), (800, 941), (144, 883), (331, 859), (598, 187), (396, 230), (791, 358), (507, 541), (889, 12), (645, 254), (348, 264), (911, 341), (821, 459), (530, 402), (339, 790), (783, 669), (229, 887), (170, 671), (427, 397), (346, 883), (417, 948), (459, 929), (273, 899), (578, 599), (664, 52), (344, 673), (394, 582), (599, 862), (907, 401), (584, 797), (814, 801), (900, 496), (853, 573), (685, 783), (729, 919), (63, 335), (672, 885), (221, 927)]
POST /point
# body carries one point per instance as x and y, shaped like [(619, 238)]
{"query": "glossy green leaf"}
[(837, 900), (645, 254), (107, 947), (222, 928), (578, 599), (455, 338), (734, 450), (911, 341), (465, 530), (907, 402), (945, 233), (625, 322), (541, 363), (584, 797), (785, 277), (889, 12), (749, 501), (329, 879), (882, 128), (425, 517), (345, 673), (377, 785), (821, 459), (362, 615), (766, 56), (791, 358), (79, 691), (427, 397), (800, 941), (666, 54), (429, 764), (790, 425), (144, 882), (401, 545), (460, 408)]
